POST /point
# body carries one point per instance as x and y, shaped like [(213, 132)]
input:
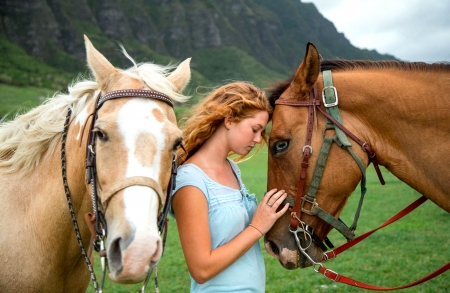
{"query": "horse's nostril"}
[(115, 254), (274, 248)]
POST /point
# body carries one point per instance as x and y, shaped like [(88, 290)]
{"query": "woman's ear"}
[(227, 122)]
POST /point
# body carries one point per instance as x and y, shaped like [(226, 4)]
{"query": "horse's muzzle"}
[(130, 261)]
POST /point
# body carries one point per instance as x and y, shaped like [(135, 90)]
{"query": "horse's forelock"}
[(277, 90)]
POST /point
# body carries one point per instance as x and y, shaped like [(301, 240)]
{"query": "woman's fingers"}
[(269, 209), (283, 210), (275, 197), (279, 202), (268, 195)]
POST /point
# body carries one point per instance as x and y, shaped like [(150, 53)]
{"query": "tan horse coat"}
[(38, 247)]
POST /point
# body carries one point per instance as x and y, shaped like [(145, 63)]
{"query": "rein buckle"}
[(332, 104), (313, 205)]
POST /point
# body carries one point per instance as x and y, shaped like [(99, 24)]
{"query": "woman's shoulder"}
[(190, 170), (191, 174)]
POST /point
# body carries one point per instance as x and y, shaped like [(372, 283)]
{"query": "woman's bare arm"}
[(191, 210)]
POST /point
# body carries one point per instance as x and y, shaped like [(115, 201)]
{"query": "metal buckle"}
[(313, 203), (91, 149), (331, 256), (328, 105), (309, 147), (328, 270)]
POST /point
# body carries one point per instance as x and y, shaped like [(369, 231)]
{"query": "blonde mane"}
[(35, 134)]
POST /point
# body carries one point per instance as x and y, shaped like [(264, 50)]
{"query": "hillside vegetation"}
[(41, 41)]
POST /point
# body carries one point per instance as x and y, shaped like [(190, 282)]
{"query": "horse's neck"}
[(405, 118), (37, 236)]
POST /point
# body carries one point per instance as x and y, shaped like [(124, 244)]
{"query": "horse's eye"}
[(102, 136), (177, 144), (280, 146)]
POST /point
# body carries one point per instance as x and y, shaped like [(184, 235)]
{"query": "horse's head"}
[(135, 140), (286, 147)]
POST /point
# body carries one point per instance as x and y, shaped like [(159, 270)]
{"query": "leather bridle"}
[(130, 181), (296, 226), (100, 225), (308, 197)]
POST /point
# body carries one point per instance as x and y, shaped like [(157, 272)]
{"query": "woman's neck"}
[(213, 153)]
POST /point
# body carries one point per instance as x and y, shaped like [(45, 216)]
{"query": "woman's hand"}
[(266, 213)]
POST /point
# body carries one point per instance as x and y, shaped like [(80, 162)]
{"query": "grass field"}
[(398, 254)]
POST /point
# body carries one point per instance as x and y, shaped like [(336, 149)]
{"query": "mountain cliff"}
[(256, 40)]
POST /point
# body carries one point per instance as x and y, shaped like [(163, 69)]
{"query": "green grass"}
[(19, 69), (20, 99), (398, 254)]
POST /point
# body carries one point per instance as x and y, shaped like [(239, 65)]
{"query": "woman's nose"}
[(258, 138)]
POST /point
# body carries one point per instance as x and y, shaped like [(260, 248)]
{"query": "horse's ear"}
[(308, 71), (102, 69), (180, 77)]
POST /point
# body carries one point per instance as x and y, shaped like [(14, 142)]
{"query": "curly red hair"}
[(238, 100)]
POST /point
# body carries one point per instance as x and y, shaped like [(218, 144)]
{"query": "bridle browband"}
[(100, 225), (135, 94)]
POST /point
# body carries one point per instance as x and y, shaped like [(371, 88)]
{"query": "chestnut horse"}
[(398, 111), (135, 136)]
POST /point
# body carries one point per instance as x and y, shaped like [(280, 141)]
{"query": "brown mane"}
[(343, 65)]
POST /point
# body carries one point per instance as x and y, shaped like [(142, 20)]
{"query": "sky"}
[(411, 30)]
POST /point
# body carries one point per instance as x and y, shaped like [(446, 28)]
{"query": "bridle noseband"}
[(98, 210)]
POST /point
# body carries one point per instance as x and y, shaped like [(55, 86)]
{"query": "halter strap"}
[(331, 102)]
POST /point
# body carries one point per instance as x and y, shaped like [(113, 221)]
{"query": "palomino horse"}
[(135, 136), (397, 111)]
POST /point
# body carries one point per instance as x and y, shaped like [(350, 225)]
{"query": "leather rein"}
[(96, 221), (299, 203)]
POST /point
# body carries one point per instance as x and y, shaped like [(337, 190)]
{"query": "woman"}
[(219, 223)]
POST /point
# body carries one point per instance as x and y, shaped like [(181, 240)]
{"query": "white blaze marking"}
[(134, 119)]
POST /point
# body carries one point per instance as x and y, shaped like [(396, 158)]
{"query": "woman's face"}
[(245, 134)]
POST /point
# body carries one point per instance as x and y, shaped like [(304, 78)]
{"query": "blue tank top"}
[(229, 213)]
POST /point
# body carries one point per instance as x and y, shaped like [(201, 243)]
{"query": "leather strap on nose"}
[(132, 181)]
